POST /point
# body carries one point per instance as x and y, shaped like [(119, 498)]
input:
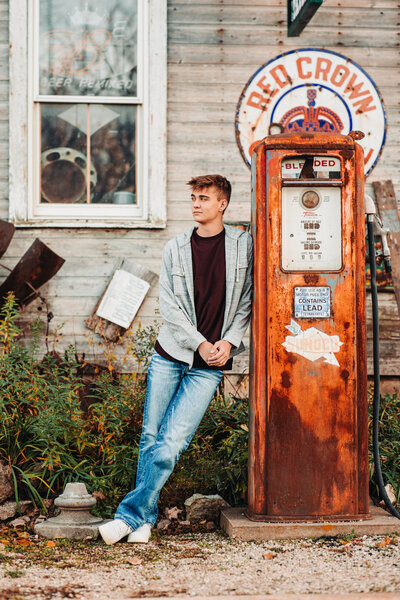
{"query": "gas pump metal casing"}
[(308, 454)]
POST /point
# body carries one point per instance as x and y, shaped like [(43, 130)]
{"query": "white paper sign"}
[(123, 298)]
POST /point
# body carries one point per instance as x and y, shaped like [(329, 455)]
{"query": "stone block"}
[(9, 509), (199, 507), (6, 482)]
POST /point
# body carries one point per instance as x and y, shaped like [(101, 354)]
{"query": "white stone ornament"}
[(75, 520)]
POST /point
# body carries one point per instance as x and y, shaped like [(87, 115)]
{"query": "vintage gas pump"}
[(308, 388)]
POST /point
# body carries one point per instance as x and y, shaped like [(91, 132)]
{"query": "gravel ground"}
[(199, 564)]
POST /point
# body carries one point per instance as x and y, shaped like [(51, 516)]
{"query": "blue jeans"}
[(176, 400)]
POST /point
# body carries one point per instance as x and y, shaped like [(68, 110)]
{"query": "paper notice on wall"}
[(123, 298)]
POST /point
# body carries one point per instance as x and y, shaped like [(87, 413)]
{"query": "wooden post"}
[(389, 213)]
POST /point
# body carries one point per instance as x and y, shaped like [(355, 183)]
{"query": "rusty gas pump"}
[(308, 386)]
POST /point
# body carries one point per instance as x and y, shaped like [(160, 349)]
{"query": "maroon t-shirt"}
[(208, 259)]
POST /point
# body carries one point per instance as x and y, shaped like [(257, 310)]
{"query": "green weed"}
[(14, 574)]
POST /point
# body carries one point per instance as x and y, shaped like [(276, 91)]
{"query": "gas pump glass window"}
[(311, 213), (311, 167), (86, 51)]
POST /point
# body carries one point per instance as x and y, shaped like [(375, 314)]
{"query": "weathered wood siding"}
[(214, 46)]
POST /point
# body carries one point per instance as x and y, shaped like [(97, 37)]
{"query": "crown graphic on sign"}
[(86, 16), (311, 118)]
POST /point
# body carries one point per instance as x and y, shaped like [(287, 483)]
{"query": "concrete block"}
[(235, 523)]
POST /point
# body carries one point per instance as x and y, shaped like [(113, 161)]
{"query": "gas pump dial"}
[(310, 200)]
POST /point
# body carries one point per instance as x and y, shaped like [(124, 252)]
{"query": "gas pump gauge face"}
[(310, 200), (311, 228)]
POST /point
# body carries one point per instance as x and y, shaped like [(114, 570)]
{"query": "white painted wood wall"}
[(214, 46)]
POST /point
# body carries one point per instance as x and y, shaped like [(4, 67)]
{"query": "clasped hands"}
[(215, 355)]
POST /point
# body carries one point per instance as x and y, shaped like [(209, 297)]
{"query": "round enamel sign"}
[(312, 90)]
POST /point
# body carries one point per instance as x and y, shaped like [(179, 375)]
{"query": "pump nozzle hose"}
[(376, 401), (371, 216)]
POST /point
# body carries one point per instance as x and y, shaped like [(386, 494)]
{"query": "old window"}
[(88, 67)]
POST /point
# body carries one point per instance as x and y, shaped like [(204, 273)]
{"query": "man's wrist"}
[(202, 344)]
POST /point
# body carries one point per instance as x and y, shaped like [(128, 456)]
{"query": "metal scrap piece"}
[(37, 266)]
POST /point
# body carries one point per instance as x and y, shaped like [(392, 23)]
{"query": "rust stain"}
[(311, 278), (37, 266), (344, 374), (286, 383)]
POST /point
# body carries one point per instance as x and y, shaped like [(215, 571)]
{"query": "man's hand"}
[(219, 353), (204, 350)]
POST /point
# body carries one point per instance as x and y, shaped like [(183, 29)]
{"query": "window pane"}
[(113, 153), (72, 172), (64, 153), (88, 48)]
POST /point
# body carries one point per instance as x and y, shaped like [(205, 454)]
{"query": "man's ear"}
[(224, 204)]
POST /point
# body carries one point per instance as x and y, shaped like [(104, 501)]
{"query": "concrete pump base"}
[(238, 526)]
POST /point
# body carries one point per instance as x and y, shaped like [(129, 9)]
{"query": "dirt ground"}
[(196, 564)]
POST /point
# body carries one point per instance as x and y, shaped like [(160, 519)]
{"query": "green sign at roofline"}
[(299, 13)]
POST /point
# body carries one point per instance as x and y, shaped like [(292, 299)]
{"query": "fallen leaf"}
[(2, 546), (269, 555), (20, 522), (135, 560), (99, 495), (163, 524), (51, 544), (23, 534), (172, 513), (385, 542), (21, 541)]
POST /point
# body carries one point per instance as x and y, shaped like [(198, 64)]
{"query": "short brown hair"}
[(220, 182)]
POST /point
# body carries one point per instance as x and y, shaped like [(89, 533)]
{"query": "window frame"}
[(24, 148)]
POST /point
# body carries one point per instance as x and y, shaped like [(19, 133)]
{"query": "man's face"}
[(207, 205)]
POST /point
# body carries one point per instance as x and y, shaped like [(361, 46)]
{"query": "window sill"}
[(91, 223)]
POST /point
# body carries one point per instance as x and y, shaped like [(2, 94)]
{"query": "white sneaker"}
[(113, 531), (140, 535)]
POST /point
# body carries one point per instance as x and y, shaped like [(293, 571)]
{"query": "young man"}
[(205, 300)]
